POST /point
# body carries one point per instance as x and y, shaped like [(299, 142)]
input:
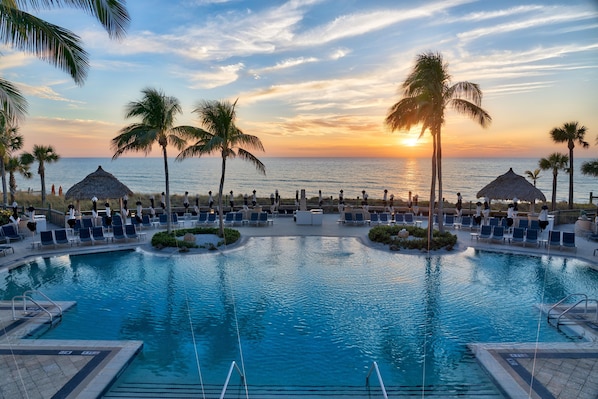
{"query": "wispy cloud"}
[(45, 92), (216, 76)]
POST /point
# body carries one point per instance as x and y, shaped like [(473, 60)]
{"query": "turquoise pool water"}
[(309, 310)]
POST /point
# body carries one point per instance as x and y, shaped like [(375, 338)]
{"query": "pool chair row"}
[(490, 233), (96, 234), (562, 240), (55, 237)]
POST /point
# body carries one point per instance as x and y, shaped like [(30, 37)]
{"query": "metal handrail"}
[(585, 301), (563, 300), (233, 366), (27, 295), (367, 378)]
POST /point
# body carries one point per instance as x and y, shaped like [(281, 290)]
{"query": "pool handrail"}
[(585, 302), (373, 367), (27, 295), (563, 300), (233, 366)]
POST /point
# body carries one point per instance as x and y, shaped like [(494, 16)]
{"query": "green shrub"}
[(388, 235), (164, 239)]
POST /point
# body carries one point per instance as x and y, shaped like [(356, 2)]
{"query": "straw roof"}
[(509, 186), (100, 184)]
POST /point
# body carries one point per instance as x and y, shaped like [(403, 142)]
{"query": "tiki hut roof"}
[(100, 184), (509, 186)]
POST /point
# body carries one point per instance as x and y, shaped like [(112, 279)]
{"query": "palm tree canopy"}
[(570, 133), (554, 162), (590, 168), (427, 92), (220, 134), (44, 154), (158, 113), (58, 46), (13, 106)]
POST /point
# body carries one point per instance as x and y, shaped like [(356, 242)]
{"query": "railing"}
[(367, 378), (27, 296), (563, 300), (233, 366), (585, 302)]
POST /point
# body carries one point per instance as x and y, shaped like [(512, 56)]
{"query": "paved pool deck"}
[(37, 368)]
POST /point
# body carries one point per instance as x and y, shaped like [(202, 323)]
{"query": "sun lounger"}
[(485, 232), (146, 222), (239, 218), (449, 221), (130, 232), (531, 237), (47, 239), (85, 235), (211, 218), (374, 219), (466, 222), (518, 236), (359, 219), (263, 218), (86, 222), (348, 218), (385, 218), (409, 220), (118, 233), (77, 226), (554, 239), (534, 224), (493, 222), (97, 233), (10, 233), (163, 219), (229, 219), (523, 223), (254, 218), (569, 240), (61, 238), (498, 234)]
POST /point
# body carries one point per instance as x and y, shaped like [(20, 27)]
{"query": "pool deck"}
[(37, 368)]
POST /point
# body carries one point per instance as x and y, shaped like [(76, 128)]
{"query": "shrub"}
[(164, 239), (418, 238)]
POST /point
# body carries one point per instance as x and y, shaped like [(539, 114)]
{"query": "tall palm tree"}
[(157, 112), (534, 176), (18, 164), (220, 134), (10, 140), (13, 106), (590, 168), (570, 133), (554, 162), (43, 155), (58, 46), (427, 93)]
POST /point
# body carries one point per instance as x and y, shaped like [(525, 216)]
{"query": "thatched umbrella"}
[(510, 186), (100, 184)]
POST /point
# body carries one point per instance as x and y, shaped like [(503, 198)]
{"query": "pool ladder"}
[(27, 297), (584, 301)]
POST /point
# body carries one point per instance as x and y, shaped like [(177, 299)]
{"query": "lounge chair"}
[(569, 240), (107, 224), (229, 219), (86, 222), (97, 233), (466, 222), (531, 237), (263, 218), (239, 218), (518, 236), (202, 218), (449, 221), (485, 232), (10, 233), (163, 220), (118, 233), (409, 220), (117, 220), (374, 218), (85, 235), (348, 218), (359, 219), (554, 239), (534, 224), (47, 238), (385, 218), (523, 223), (498, 234), (61, 237), (254, 218), (77, 226), (493, 222), (146, 222), (130, 231), (211, 218)]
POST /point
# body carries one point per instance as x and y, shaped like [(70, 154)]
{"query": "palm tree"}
[(554, 162), (43, 155), (220, 134), (570, 133), (19, 164), (58, 46), (534, 176), (157, 112), (590, 168), (10, 140), (13, 106), (427, 93)]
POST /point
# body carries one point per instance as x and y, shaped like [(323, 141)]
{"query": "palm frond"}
[(13, 106)]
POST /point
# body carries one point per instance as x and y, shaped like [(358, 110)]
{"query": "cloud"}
[(285, 64), (45, 92), (216, 76)]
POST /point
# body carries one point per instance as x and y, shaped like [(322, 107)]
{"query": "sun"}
[(410, 141)]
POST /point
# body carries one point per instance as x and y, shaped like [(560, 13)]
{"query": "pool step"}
[(178, 391)]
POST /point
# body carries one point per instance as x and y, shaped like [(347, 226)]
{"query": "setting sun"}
[(410, 141)]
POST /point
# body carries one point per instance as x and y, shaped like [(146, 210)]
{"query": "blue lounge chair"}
[(569, 240), (348, 218), (493, 222), (385, 218), (485, 232), (85, 235), (211, 218), (61, 237), (118, 233), (97, 233), (146, 222), (239, 218), (254, 218), (77, 226), (374, 218), (523, 223), (117, 220), (47, 238), (449, 221), (498, 233), (466, 222), (518, 236), (409, 220), (10, 233), (263, 218), (359, 219), (202, 218), (534, 224), (86, 222), (163, 219), (131, 232), (229, 219), (531, 237), (554, 238)]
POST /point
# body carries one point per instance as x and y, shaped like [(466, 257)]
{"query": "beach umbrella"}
[(100, 184), (510, 186)]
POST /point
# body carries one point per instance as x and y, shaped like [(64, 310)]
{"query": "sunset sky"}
[(315, 78)]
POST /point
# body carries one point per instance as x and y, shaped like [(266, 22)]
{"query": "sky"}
[(315, 78)]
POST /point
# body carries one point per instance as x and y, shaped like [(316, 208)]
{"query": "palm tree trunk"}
[(440, 199), (3, 173), (554, 176), (42, 176), (220, 204), (571, 146), (13, 186), (432, 193), (166, 179)]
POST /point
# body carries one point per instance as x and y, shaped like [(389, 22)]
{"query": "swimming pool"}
[(309, 310)]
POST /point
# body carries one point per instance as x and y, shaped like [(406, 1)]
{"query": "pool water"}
[(306, 310)]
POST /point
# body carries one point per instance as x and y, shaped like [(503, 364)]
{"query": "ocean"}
[(352, 175)]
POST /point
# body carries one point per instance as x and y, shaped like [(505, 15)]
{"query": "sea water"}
[(330, 175)]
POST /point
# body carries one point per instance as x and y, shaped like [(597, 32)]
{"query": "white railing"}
[(233, 366), (367, 378), (27, 296)]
